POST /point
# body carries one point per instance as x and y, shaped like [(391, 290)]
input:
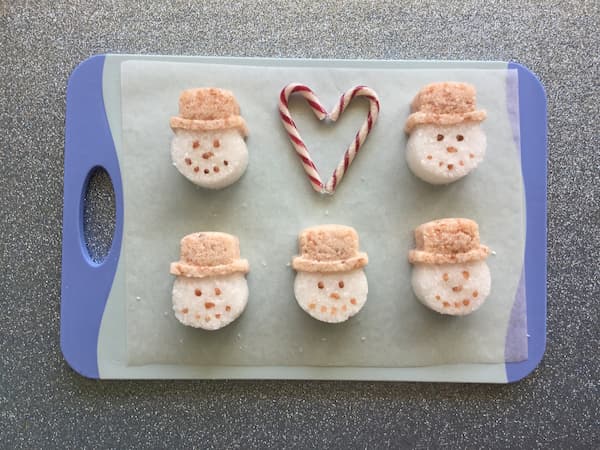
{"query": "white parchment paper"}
[(273, 201)]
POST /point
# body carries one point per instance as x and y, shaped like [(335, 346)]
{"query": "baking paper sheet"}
[(273, 201)]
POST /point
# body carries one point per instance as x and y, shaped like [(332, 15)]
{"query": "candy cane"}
[(307, 163)]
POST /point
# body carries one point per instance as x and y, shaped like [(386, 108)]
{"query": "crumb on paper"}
[(494, 253), (300, 349), (264, 264), (239, 336), (326, 212), (181, 341), (363, 338), (166, 313), (288, 264), (323, 339), (244, 205), (362, 179), (138, 298)]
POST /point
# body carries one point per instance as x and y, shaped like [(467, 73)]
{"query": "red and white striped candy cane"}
[(321, 113)]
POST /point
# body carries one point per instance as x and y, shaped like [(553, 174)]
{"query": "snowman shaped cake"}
[(208, 147), (210, 290), (445, 141), (450, 274), (331, 284)]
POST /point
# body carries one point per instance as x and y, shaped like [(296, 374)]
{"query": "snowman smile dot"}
[(216, 169), (461, 162), (226, 162), (218, 316), (206, 171), (196, 169), (437, 297), (323, 309), (188, 161), (471, 155), (429, 157), (456, 304), (353, 301), (333, 310), (475, 293), (446, 304), (450, 166), (344, 308), (465, 274), (228, 308)]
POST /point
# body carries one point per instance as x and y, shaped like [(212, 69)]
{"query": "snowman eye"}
[(320, 285), (459, 137), (341, 284), (440, 137)]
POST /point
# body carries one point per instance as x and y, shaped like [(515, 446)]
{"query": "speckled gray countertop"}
[(43, 403)]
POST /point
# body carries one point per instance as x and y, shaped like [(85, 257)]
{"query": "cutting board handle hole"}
[(98, 214)]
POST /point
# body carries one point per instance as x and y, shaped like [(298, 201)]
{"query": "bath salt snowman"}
[(445, 141), (330, 284), (208, 147), (450, 274), (210, 290)]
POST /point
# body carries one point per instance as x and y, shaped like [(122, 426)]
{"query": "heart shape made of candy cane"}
[(307, 163)]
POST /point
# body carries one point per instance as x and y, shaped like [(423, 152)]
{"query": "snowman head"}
[(208, 147), (330, 285), (450, 275), (446, 141)]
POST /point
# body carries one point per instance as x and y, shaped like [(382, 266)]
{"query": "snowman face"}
[(211, 159), (455, 289), (331, 297), (441, 154), (210, 303)]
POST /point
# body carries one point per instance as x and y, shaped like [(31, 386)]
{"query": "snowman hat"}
[(208, 254), (208, 109), (329, 248), (448, 241), (446, 103)]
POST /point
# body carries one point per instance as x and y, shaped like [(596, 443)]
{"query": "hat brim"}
[(420, 256), (231, 122), (302, 264), (420, 118), (182, 269)]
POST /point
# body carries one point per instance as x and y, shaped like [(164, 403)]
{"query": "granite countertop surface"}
[(45, 404)]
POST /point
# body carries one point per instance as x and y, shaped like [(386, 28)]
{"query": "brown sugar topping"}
[(198, 292), (456, 304), (209, 305)]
